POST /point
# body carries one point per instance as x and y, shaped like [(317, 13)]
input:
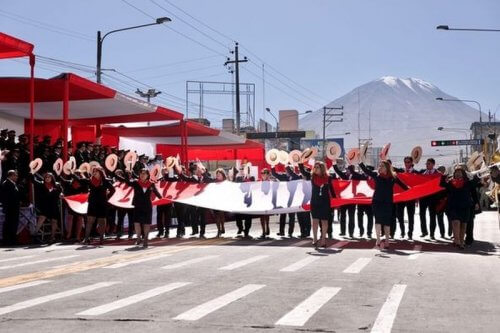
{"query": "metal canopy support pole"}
[(32, 106), (65, 117)]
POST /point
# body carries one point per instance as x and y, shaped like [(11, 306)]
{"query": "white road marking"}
[(338, 245), (53, 297), (23, 285), (242, 263), (357, 266), (305, 310), (16, 258), (387, 314), (265, 242), (297, 244), (105, 308), (299, 264), (37, 262), (418, 250), (126, 263), (206, 308), (189, 262)]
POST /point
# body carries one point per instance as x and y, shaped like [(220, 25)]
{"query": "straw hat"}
[(308, 153), (93, 165), (58, 166), (283, 157), (155, 172), (416, 154), (294, 157), (84, 167), (130, 160), (170, 162), (362, 151), (353, 156), (67, 168), (35, 165), (333, 150), (72, 161), (385, 151), (272, 157), (111, 162)]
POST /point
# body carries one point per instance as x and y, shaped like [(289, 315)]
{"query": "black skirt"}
[(321, 211), (463, 214), (97, 210), (143, 216), (382, 211)]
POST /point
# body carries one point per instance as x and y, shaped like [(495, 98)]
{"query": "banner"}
[(263, 197)]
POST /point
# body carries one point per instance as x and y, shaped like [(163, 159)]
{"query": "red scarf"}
[(75, 184), (457, 183), (49, 186), (320, 180), (96, 182), (145, 184)]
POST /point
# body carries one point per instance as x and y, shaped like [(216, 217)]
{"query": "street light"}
[(272, 114), (100, 40), (447, 28), (468, 101)]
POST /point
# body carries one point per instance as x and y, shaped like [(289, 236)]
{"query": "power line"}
[(181, 72), (171, 64)]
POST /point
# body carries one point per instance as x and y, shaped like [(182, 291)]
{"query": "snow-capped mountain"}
[(405, 113)]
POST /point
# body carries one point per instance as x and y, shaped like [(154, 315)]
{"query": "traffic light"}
[(444, 143)]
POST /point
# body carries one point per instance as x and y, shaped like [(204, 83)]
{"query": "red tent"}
[(11, 47), (78, 101)]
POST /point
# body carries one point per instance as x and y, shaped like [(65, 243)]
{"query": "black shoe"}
[(166, 235), (263, 236), (442, 236), (202, 236), (369, 236), (351, 235), (423, 235), (432, 237), (342, 234), (290, 235), (402, 235), (410, 237), (279, 234), (239, 231), (267, 233), (160, 234)]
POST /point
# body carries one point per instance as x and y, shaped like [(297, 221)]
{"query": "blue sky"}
[(324, 48)]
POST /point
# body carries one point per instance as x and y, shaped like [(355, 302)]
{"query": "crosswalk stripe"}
[(357, 266), (387, 314), (299, 264), (53, 297), (23, 285), (296, 244), (132, 262), (102, 309), (16, 258), (189, 262), (339, 245), (37, 262), (305, 310), (206, 308), (242, 263), (417, 249)]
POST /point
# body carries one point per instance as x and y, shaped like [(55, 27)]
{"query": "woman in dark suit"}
[(143, 206), (382, 201), (49, 193)]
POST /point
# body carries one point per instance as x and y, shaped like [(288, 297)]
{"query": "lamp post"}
[(468, 101), (447, 28), (276, 119), (100, 40)]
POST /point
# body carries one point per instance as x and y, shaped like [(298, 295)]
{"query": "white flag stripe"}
[(299, 264), (16, 258), (37, 262), (357, 266), (387, 314), (242, 263), (206, 308), (132, 262), (53, 297), (23, 285), (189, 262), (417, 249), (99, 310), (305, 310)]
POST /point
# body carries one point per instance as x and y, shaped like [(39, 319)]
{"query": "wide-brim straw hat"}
[(385, 152), (308, 153), (36, 165), (283, 157), (130, 159), (58, 166), (272, 157), (84, 167), (67, 168), (294, 157), (155, 172), (353, 156), (333, 150), (170, 162), (111, 162), (416, 154)]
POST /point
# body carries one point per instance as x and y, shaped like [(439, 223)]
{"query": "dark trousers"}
[(121, 219), (440, 223), (291, 223), (200, 219), (365, 209), (304, 219), (163, 219), (247, 219), (111, 219), (195, 217), (181, 218), (239, 222), (350, 210), (427, 204), (10, 225), (469, 231), (410, 210)]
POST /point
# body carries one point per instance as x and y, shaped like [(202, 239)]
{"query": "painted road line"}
[(206, 308), (189, 262), (242, 263), (297, 244), (357, 266), (52, 297), (299, 264), (132, 262), (387, 314), (102, 309), (267, 242), (305, 310), (16, 258), (339, 245), (37, 262), (418, 252), (23, 285)]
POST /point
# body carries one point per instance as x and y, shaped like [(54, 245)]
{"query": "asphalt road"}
[(235, 285)]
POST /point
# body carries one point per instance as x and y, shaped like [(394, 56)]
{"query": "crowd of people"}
[(459, 200)]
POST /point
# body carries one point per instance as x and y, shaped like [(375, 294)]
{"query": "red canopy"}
[(11, 47)]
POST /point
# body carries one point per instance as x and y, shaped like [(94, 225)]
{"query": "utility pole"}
[(328, 118), (236, 63)]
